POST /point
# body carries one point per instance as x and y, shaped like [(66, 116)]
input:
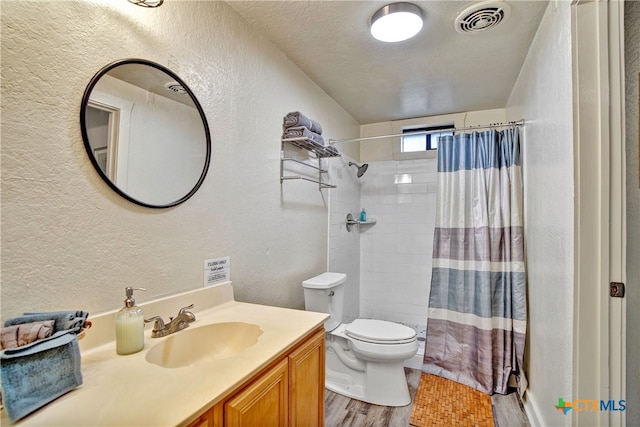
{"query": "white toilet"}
[(365, 358)]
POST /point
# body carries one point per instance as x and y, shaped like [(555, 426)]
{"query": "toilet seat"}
[(379, 332)]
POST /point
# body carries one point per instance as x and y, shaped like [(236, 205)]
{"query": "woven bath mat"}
[(442, 402)]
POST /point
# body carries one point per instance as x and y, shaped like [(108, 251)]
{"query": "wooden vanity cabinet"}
[(204, 420), (263, 402), (306, 382), (289, 392)]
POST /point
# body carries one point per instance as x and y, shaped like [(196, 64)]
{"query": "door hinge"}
[(616, 289)]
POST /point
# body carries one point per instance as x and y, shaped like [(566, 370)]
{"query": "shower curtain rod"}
[(426, 132)]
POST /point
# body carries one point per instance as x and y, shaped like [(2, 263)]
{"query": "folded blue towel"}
[(296, 118), (35, 374), (64, 320), (303, 132), (331, 151)]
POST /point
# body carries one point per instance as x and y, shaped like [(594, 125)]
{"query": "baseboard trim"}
[(532, 410)]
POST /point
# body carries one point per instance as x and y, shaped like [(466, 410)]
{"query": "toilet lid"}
[(380, 331), (325, 281)]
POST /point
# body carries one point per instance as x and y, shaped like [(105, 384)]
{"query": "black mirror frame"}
[(85, 136)]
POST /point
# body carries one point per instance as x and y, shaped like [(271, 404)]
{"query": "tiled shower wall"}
[(395, 252), (344, 247)]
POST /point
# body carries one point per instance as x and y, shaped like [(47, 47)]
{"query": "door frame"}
[(120, 134), (600, 224), (617, 208)]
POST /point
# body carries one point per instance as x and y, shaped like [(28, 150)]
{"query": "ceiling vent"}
[(482, 16), (175, 87)]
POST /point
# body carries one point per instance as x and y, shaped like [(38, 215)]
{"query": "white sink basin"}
[(214, 341)]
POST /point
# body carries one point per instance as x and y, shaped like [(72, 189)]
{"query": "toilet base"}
[(344, 385), (382, 383)]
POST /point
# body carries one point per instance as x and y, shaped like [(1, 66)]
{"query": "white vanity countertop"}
[(129, 391)]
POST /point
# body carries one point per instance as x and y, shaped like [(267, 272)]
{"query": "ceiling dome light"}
[(396, 22)]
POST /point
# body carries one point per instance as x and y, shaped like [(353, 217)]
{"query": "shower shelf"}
[(350, 222), (370, 221), (320, 152)]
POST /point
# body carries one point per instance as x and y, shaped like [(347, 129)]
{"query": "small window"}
[(424, 142)]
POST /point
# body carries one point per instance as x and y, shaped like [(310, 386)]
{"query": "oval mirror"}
[(145, 132)]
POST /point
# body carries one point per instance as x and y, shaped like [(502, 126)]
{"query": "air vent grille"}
[(175, 87), (482, 16)]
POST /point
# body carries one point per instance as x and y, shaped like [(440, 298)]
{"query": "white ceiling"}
[(439, 71)]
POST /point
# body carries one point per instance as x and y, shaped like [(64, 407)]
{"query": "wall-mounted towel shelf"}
[(320, 152)]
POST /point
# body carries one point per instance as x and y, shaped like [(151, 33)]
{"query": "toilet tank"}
[(325, 294)]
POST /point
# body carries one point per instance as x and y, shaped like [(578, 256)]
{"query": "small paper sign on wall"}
[(217, 270)]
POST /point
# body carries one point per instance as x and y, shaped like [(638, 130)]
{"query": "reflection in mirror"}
[(145, 133)]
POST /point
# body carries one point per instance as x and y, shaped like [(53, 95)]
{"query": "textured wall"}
[(68, 241), (548, 180), (632, 59)]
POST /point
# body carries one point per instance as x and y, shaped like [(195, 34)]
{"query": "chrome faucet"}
[(178, 323)]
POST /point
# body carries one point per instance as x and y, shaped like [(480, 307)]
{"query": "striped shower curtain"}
[(477, 306)]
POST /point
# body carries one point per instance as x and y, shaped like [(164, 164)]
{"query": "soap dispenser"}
[(130, 325)]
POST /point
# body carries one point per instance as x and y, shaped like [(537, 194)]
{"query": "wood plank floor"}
[(340, 411)]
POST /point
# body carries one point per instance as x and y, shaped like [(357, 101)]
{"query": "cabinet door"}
[(205, 420), (263, 403), (306, 383)]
